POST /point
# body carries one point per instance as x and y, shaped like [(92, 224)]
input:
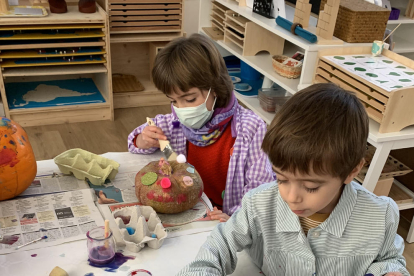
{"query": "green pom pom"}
[(149, 178)]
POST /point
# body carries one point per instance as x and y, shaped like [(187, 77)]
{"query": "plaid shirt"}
[(249, 166), (358, 238)]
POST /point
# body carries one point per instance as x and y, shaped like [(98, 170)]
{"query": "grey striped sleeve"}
[(390, 257), (218, 256)]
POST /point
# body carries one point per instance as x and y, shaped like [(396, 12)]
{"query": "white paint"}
[(45, 93)]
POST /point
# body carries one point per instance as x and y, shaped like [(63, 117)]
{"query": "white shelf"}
[(254, 105), (263, 64), (403, 45), (54, 70), (402, 19), (269, 24)]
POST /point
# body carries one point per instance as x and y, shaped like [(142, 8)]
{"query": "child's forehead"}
[(302, 175), (177, 92)]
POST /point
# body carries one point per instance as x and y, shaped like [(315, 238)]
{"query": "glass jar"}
[(101, 250)]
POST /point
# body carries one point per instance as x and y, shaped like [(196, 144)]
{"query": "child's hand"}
[(216, 214), (394, 274), (149, 137)]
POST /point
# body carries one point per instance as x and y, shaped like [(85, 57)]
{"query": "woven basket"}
[(359, 21), (284, 70)]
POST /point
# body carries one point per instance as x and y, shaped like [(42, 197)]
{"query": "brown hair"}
[(323, 126), (192, 62)]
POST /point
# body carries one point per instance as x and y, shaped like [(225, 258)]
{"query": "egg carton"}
[(84, 164), (145, 222)]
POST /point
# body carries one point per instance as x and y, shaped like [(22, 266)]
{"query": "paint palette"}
[(147, 225), (380, 71)]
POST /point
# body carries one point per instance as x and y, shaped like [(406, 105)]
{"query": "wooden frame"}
[(392, 110), (101, 73)]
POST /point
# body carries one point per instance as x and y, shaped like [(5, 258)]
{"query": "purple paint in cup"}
[(101, 250)]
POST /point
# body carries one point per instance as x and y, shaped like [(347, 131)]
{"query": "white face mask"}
[(195, 117)]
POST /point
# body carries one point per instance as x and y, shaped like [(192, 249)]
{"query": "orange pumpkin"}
[(17, 161)]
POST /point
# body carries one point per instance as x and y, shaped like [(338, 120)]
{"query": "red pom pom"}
[(165, 183)]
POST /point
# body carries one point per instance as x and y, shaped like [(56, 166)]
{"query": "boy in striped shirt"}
[(314, 220)]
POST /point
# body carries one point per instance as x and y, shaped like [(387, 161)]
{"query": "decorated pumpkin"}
[(17, 161), (168, 187)]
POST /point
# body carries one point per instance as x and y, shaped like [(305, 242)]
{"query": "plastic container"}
[(395, 14), (272, 99), (248, 73)]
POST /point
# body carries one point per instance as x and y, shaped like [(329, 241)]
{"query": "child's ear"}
[(355, 172)]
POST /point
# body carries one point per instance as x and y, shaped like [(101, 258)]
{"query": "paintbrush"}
[(9, 240), (165, 146), (36, 240), (106, 233)]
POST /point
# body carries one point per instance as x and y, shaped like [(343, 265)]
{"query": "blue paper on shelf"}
[(255, 84), (286, 24), (52, 93)]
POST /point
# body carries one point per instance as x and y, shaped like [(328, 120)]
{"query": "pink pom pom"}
[(165, 183)]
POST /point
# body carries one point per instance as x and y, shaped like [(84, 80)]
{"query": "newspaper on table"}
[(54, 182), (62, 217)]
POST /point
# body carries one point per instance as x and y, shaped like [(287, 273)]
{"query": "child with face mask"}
[(221, 139)]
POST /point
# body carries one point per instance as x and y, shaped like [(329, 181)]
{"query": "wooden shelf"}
[(61, 114), (72, 16), (54, 70), (140, 37), (150, 96)]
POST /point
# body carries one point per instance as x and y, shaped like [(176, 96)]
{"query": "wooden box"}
[(392, 110), (250, 37), (360, 21)]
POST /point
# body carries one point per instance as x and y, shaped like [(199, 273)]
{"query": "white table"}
[(174, 254), (384, 143)]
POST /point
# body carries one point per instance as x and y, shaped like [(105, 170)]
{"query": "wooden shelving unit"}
[(135, 25), (62, 42)]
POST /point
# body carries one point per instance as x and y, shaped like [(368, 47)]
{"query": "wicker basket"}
[(284, 70), (359, 21)]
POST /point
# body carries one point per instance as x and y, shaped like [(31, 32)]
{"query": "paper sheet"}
[(65, 217), (380, 71)]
